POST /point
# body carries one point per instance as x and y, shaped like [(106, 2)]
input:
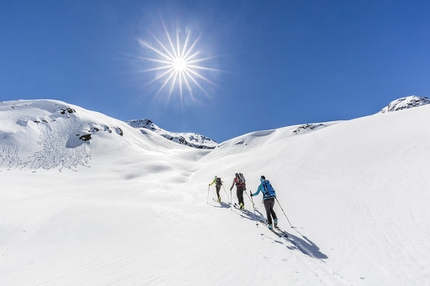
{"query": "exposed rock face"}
[(405, 103), (194, 140)]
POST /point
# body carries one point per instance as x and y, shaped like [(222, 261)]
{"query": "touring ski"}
[(290, 238), (284, 233), (276, 230), (238, 207)]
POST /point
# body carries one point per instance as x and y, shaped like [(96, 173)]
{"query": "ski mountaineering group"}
[(269, 195)]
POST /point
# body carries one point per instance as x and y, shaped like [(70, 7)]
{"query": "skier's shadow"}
[(253, 216), (303, 243), (221, 205), (307, 246)]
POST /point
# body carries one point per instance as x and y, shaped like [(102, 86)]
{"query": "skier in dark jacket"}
[(269, 196), (218, 183), (240, 187)]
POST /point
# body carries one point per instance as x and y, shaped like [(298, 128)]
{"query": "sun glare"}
[(175, 63), (179, 64)]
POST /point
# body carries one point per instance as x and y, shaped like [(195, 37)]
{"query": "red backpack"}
[(240, 182)]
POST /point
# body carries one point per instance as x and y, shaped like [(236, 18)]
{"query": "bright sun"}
[(179, 64), (176, 63)]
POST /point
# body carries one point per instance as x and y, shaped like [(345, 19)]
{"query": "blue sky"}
[(275, 63)]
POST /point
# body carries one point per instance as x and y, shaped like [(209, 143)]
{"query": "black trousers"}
[(268, 205), (217, 187), (239, 192)]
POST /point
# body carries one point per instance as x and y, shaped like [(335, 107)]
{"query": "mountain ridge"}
[(194, 140), (63, 133)]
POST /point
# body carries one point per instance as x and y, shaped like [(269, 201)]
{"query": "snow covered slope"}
[(51, 134), (190, 139), (139, 211)]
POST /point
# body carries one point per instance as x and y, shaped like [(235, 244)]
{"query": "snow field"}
[(137, 211)]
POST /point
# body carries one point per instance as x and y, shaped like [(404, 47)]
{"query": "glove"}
[(250, 193)]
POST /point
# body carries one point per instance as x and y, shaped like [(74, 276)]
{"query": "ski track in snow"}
[(308, 255), (316, 265)]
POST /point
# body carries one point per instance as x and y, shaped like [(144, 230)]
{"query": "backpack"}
[(241, 181), (218, 181), (268, 190)]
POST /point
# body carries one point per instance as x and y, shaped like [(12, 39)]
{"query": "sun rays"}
[(177, 65)]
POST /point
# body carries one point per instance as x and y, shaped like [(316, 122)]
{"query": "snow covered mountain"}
[(135, 209), (190, 139), (405, 103), (51, 134)]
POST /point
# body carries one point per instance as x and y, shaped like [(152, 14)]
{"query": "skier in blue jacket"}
[(269, 196)]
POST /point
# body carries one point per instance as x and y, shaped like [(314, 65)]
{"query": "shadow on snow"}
[(300, 241)]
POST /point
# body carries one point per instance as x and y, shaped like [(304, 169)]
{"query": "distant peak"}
[(405, 103), (144, 123), (185, 138)]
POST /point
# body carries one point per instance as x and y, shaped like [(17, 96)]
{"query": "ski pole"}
[(253, 207), (284, 212), (231, 201), (225, 193), (207, 199), (248, 196)]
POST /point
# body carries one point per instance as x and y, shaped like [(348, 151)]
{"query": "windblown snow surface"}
[(125, 208)]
